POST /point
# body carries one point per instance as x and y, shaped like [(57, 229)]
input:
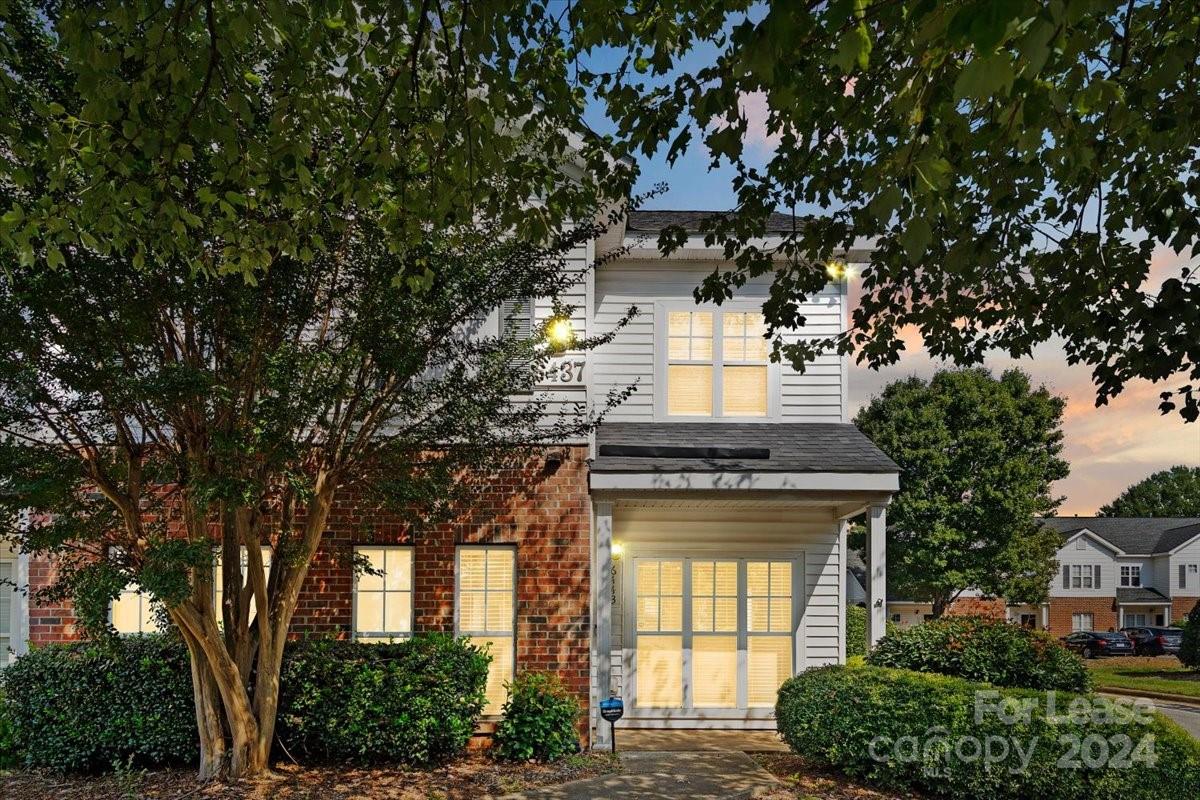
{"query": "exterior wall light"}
[(560, 333), (618, 549), (840, 271)]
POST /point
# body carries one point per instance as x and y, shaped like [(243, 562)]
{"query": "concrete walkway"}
[(706, 775), (694, 740)]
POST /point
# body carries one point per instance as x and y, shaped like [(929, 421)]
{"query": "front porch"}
[(714, 582)]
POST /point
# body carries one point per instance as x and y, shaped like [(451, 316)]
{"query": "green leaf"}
[(983, 77), (54, 257), (853, 49), (915, 238)]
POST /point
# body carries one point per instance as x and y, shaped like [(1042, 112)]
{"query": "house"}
[(688, 557), (1119, 571), (907, 613)]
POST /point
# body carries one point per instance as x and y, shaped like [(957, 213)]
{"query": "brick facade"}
[(987, 607), (544, 510), (1181, 607), (1103, 610)]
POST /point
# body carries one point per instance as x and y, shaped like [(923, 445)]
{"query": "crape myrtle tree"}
[(1173, 492), (153, 417), (1014, 163), (977, 455), (246, 248)]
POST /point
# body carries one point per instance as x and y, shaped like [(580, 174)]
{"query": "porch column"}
[(602, 584), (876, 573), (1045, 616)]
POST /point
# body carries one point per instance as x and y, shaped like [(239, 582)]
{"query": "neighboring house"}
[(689, 557), (1119, 571), (907, 613)]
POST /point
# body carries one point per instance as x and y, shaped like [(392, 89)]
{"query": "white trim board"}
[(748, 481)]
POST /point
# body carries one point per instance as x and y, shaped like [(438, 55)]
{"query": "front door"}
[(712, 634)]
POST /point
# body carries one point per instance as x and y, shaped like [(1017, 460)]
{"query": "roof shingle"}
[(1140, 535), (654, 221)]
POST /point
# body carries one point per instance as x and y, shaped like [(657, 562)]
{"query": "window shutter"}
[(516, 315), (1096, 581), (1182, 577), (1066, 577)]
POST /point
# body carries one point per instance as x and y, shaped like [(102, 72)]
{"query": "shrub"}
[(415, 702), (1189, 651), (84, 706), (990, 651), (539, 720), (9, 755), (856, 631), (915, 724)]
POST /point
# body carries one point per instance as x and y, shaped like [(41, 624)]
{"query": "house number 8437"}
[(565, 371)]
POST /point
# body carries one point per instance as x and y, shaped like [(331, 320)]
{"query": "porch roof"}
[(1141, 594), (715, 447)]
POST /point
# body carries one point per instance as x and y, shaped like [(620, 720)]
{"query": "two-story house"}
[(1116, 572), (688, 557)]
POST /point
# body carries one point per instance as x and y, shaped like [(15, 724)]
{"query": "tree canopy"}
[(977, 455), (1012, 163), (1173, 492)]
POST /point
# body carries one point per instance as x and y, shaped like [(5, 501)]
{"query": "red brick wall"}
[(1103, 610), (1181, 607), (48, 623), (987, 607), (544, 512)]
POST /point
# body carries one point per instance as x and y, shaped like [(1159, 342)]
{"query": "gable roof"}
[(1141, 535), (737, 447), (643, 221)]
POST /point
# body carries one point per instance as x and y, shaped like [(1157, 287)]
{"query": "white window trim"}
[(458, 629), (741, 554), (662, 358), (355, 633), (1127, 574), (145, 609), (1079, 615)]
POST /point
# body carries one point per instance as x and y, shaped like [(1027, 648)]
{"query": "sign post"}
[(612, 710)]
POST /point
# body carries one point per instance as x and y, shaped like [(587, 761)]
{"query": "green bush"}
[(9, 754), (904, 730), (986, 650), (539, 720), (81, 707), (856, 631), (1189, 651), (414, 702)]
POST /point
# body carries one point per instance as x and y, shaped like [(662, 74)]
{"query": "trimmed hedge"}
[(84, 707), (922, 728), (856, 631), (539, 720), (81, 707), (414, 702), (985, 650)]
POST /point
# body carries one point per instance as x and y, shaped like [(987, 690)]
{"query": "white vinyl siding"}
[(657, 287), (486, 612), (383, 607), (1079, 556), (8, 574)]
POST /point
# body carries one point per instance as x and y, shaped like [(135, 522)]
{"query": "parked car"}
[(1155, 641), (1091, 644)]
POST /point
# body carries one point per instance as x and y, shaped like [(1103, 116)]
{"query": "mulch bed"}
[(808, 781), (467, 779)]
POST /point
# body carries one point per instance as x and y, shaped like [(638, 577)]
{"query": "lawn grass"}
[(1161, 674)]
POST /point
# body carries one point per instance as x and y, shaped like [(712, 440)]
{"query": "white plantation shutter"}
[(714, 634), (487, 614), (659, 588), (769, 623)]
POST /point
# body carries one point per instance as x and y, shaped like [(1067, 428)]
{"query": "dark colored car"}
[(1091, 644), (1155, 641)]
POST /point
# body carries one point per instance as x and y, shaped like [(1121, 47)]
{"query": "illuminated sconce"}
[(618, 549), (840, 271), (560, 333)]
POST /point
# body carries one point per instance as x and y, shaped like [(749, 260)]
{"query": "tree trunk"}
[(940, 604), (208, 716)]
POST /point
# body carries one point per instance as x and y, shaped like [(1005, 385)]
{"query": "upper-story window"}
[(717, 364), (1131, 575), (1082, 576)]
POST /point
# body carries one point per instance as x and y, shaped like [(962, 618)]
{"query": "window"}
[(1082, 576), (716, 364), (132, 612), (1082, 622), (1028, 621), (659, 587), (1131, 575), (383, 607), (714, 633), (1184, 571), (487, 612), (1135, 620), (219, 579), (769, 623)]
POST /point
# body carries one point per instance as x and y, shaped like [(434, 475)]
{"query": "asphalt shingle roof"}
[(1132, 534), (1141, 594), (655, 221), (736, 447)]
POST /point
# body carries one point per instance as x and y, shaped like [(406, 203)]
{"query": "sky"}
[(1109, 448)]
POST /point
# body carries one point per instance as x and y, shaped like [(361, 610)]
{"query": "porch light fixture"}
[(618, 549), (838, 270), (560, 333)]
